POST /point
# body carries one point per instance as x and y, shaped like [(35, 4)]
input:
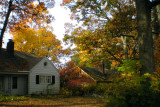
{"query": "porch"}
[(13, 84)]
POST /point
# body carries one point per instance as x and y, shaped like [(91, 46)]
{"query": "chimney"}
[(10, 48)]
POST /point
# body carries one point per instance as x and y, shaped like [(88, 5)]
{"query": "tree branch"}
[(6, 22), (125, 35), (154, 3), (114, 56)]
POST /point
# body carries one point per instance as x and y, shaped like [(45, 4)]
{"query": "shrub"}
[(131, 89), (140, 97), (65, 91), (101, 88)]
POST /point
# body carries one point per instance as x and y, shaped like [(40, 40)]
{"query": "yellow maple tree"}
[(41, 42)]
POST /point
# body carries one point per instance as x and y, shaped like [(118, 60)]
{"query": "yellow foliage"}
[(40, 42)]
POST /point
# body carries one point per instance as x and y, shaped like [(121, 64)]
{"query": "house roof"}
[(21, 61), (94, 73)]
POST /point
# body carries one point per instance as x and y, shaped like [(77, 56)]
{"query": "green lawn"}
[(57, 102)]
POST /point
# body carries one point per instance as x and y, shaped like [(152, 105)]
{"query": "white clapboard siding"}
[(41, 69)]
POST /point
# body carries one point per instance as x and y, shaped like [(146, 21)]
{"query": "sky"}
[(61, 15)]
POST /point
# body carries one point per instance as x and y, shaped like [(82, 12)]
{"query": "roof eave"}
[(13, 72)]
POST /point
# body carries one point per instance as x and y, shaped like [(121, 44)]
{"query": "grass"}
[(12, 98), (57, 101)]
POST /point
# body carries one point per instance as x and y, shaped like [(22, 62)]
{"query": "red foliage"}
[(72, 76)]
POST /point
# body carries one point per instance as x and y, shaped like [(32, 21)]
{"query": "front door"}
[(19, 84)]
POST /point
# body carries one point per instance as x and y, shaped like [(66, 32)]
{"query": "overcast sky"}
[(62, 16)]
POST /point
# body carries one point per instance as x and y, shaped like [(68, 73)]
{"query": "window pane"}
[(42, 79), (48, 79), (14, 82)]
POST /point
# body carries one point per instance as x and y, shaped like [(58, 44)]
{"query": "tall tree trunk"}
[(145, 36), (156, 22), (5, 23)]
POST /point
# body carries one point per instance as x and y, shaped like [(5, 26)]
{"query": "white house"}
[(22, 73)]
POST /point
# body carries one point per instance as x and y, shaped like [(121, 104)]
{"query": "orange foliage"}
[(156, 76), (66, 1), (69, 1)]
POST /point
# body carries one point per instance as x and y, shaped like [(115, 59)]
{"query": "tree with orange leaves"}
[(14, 11), (41, 42), (109, 31)]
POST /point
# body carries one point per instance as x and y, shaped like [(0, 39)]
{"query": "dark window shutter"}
[(37, 79), (53, 79), (14, 83)]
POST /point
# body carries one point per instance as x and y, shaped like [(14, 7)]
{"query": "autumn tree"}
[(72, 76), (41, 42), (95, 48), (121, 18), (14, 11), (109, 29), (145, 34)]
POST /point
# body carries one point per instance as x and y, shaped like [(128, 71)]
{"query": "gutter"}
[(13, 72)]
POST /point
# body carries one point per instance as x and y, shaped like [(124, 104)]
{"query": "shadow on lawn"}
[(75, 104), (56, 101)]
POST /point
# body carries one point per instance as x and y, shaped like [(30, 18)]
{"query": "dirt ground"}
[(57, 102)]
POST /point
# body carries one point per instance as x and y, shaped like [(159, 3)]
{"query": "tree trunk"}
[(5, 23), (156, 22), (145, 36)]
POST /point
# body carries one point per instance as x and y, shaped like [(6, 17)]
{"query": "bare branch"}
[(114, 56), (5, 23)]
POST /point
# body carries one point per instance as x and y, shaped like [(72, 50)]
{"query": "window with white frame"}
[(40, 79)]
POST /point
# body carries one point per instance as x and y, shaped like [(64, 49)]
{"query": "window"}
[(40, 79), (45, 63), (14, 83)]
